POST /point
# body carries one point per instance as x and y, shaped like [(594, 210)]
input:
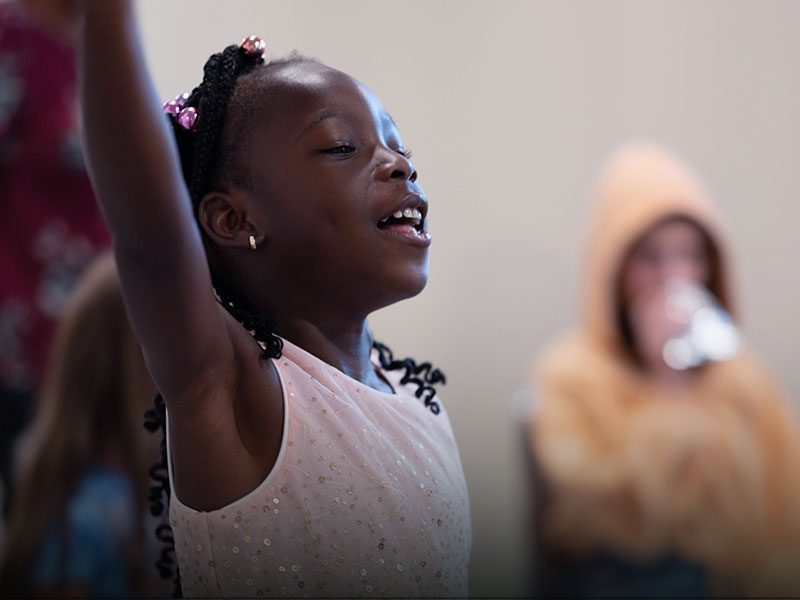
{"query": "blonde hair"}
[(90, 410)]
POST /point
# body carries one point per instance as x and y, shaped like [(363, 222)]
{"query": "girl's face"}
[(330, 173), (674, 250)]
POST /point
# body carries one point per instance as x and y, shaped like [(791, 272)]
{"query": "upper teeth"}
[(408, 213)]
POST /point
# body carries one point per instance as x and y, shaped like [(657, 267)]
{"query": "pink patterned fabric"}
[(368, 498), (50, 226)]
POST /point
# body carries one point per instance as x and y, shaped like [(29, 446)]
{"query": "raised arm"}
[(136, 174)]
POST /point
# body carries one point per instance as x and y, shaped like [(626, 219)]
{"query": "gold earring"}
[(253, 245)]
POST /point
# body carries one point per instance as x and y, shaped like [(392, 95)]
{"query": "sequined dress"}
[(367, 498)]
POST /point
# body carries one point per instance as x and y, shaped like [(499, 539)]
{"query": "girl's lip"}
[(416, 201), (407, 233)]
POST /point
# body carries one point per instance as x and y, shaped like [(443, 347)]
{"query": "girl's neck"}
[(345, 347)]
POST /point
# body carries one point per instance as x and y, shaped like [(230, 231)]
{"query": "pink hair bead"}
[(253, 46), (172, 108), (187, 118)]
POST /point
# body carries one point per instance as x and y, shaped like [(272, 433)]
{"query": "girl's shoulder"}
[(408, 379), (574, 360)]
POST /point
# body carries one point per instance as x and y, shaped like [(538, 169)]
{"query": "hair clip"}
[(253, 47)]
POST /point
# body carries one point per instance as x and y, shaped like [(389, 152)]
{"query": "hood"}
[(640, 185)]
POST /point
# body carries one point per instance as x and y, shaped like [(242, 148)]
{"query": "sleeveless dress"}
[(367, 498)]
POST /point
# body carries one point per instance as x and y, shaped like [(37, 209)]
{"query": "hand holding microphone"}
[(681, 324)]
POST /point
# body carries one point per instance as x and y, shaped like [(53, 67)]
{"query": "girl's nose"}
[(681, 269), (396, 166)]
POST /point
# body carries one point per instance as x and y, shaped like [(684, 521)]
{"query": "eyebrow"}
[(328, 113), (325, 113)]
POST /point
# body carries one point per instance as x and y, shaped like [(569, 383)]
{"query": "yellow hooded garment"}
[(711, 472)]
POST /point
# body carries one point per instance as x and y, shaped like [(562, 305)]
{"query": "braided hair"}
[(208, 154)]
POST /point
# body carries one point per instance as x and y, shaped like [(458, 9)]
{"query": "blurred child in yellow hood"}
[(658, 479)]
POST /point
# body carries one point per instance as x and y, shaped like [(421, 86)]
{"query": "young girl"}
[(78, 525), (299, 465), (657, 480)]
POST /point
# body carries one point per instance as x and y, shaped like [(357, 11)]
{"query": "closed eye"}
[(406, 153), (340, 149)]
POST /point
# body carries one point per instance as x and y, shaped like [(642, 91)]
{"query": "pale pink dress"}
[(367, 498)]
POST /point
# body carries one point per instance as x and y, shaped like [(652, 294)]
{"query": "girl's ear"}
[(224, 219)]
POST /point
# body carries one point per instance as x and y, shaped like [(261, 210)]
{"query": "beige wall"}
[(509, 108)]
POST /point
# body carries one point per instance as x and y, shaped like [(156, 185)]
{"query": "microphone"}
[(709, 333)]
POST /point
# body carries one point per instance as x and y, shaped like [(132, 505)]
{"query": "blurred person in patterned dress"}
[(50, 227)]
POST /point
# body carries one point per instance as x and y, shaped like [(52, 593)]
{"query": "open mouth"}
[(407, 220)]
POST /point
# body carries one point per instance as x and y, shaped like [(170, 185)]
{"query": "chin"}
[(407, 284), (419, 285), (416, 278)]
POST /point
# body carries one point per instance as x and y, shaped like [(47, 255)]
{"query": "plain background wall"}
[(510, 107)]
